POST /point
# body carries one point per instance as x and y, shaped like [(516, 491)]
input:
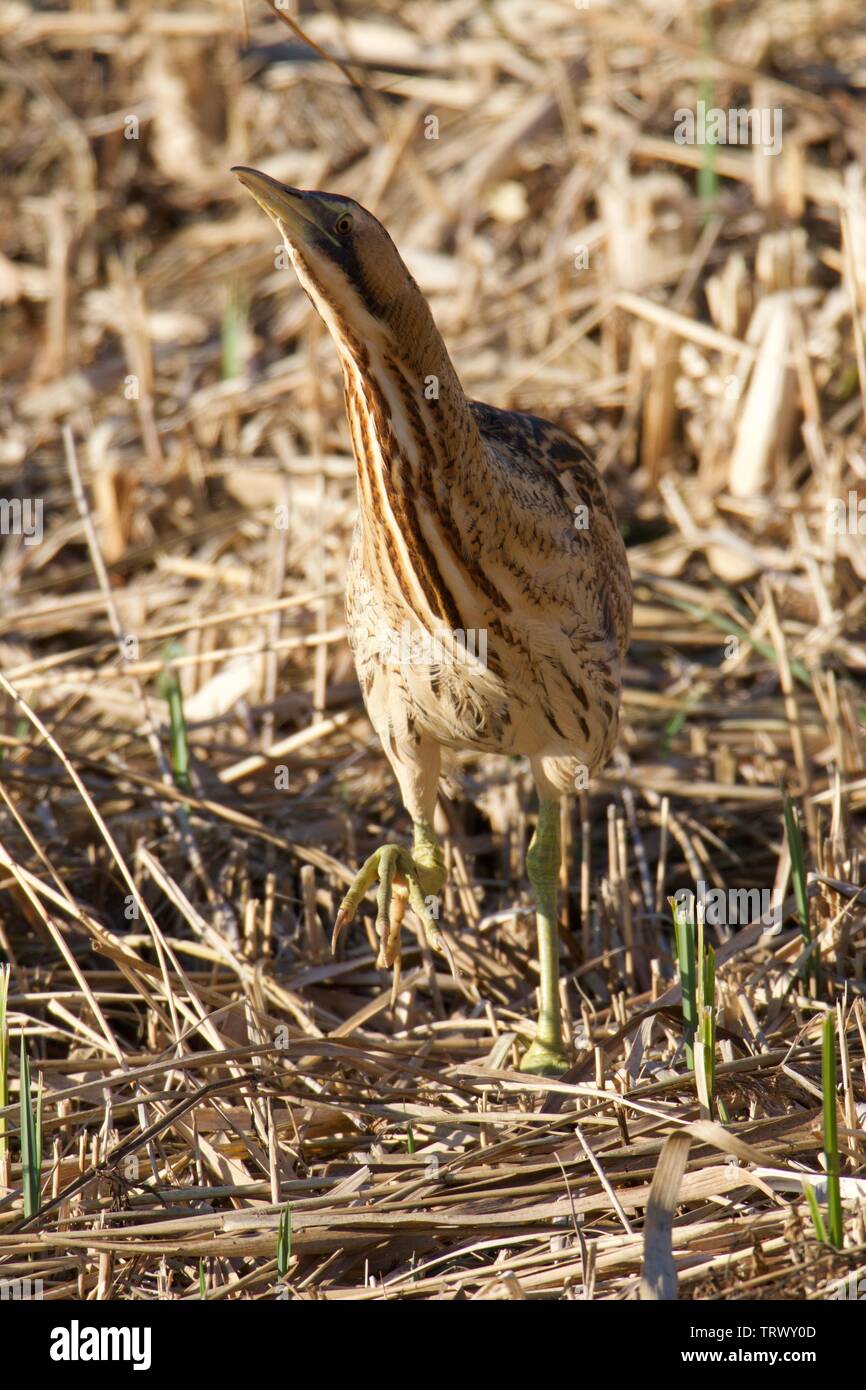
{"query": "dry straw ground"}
[(697, 317)]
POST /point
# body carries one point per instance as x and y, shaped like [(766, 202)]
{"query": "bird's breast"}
[(497, 687)]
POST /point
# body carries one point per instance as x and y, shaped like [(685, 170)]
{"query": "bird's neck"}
[(412, 401), (415, 441)]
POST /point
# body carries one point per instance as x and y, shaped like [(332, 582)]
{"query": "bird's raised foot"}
[(402, 880), (543, 1059)]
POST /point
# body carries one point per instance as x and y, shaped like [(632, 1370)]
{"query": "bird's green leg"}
[(416, 877), (547, 1055)]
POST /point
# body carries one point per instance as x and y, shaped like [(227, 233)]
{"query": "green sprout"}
[(685, 944), (284, 1242), (233, 332), (794, 833), (697, 969), (831, 1132), (31, 1139), (169, 689), (829, 1232)]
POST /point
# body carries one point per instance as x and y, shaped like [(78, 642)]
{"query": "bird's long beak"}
[(288, 207)]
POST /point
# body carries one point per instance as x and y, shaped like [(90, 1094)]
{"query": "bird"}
[(488, 595)]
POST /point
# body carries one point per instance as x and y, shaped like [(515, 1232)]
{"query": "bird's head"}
[(346, 262)]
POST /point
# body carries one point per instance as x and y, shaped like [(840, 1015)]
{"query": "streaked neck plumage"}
[(414, 439)]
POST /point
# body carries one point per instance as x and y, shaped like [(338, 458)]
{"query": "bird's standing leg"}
[(403, 876), (547, 1054)]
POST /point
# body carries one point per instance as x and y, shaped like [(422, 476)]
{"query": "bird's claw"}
[(399, 884)]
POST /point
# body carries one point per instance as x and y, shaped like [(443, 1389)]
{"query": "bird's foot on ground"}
[(544, 1059), (402, 879)]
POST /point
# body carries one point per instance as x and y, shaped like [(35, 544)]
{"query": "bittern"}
[(488, 593)]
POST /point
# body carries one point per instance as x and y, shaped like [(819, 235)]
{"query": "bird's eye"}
[(344, 223)]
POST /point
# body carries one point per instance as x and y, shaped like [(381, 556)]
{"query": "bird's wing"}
[(551, 482)]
